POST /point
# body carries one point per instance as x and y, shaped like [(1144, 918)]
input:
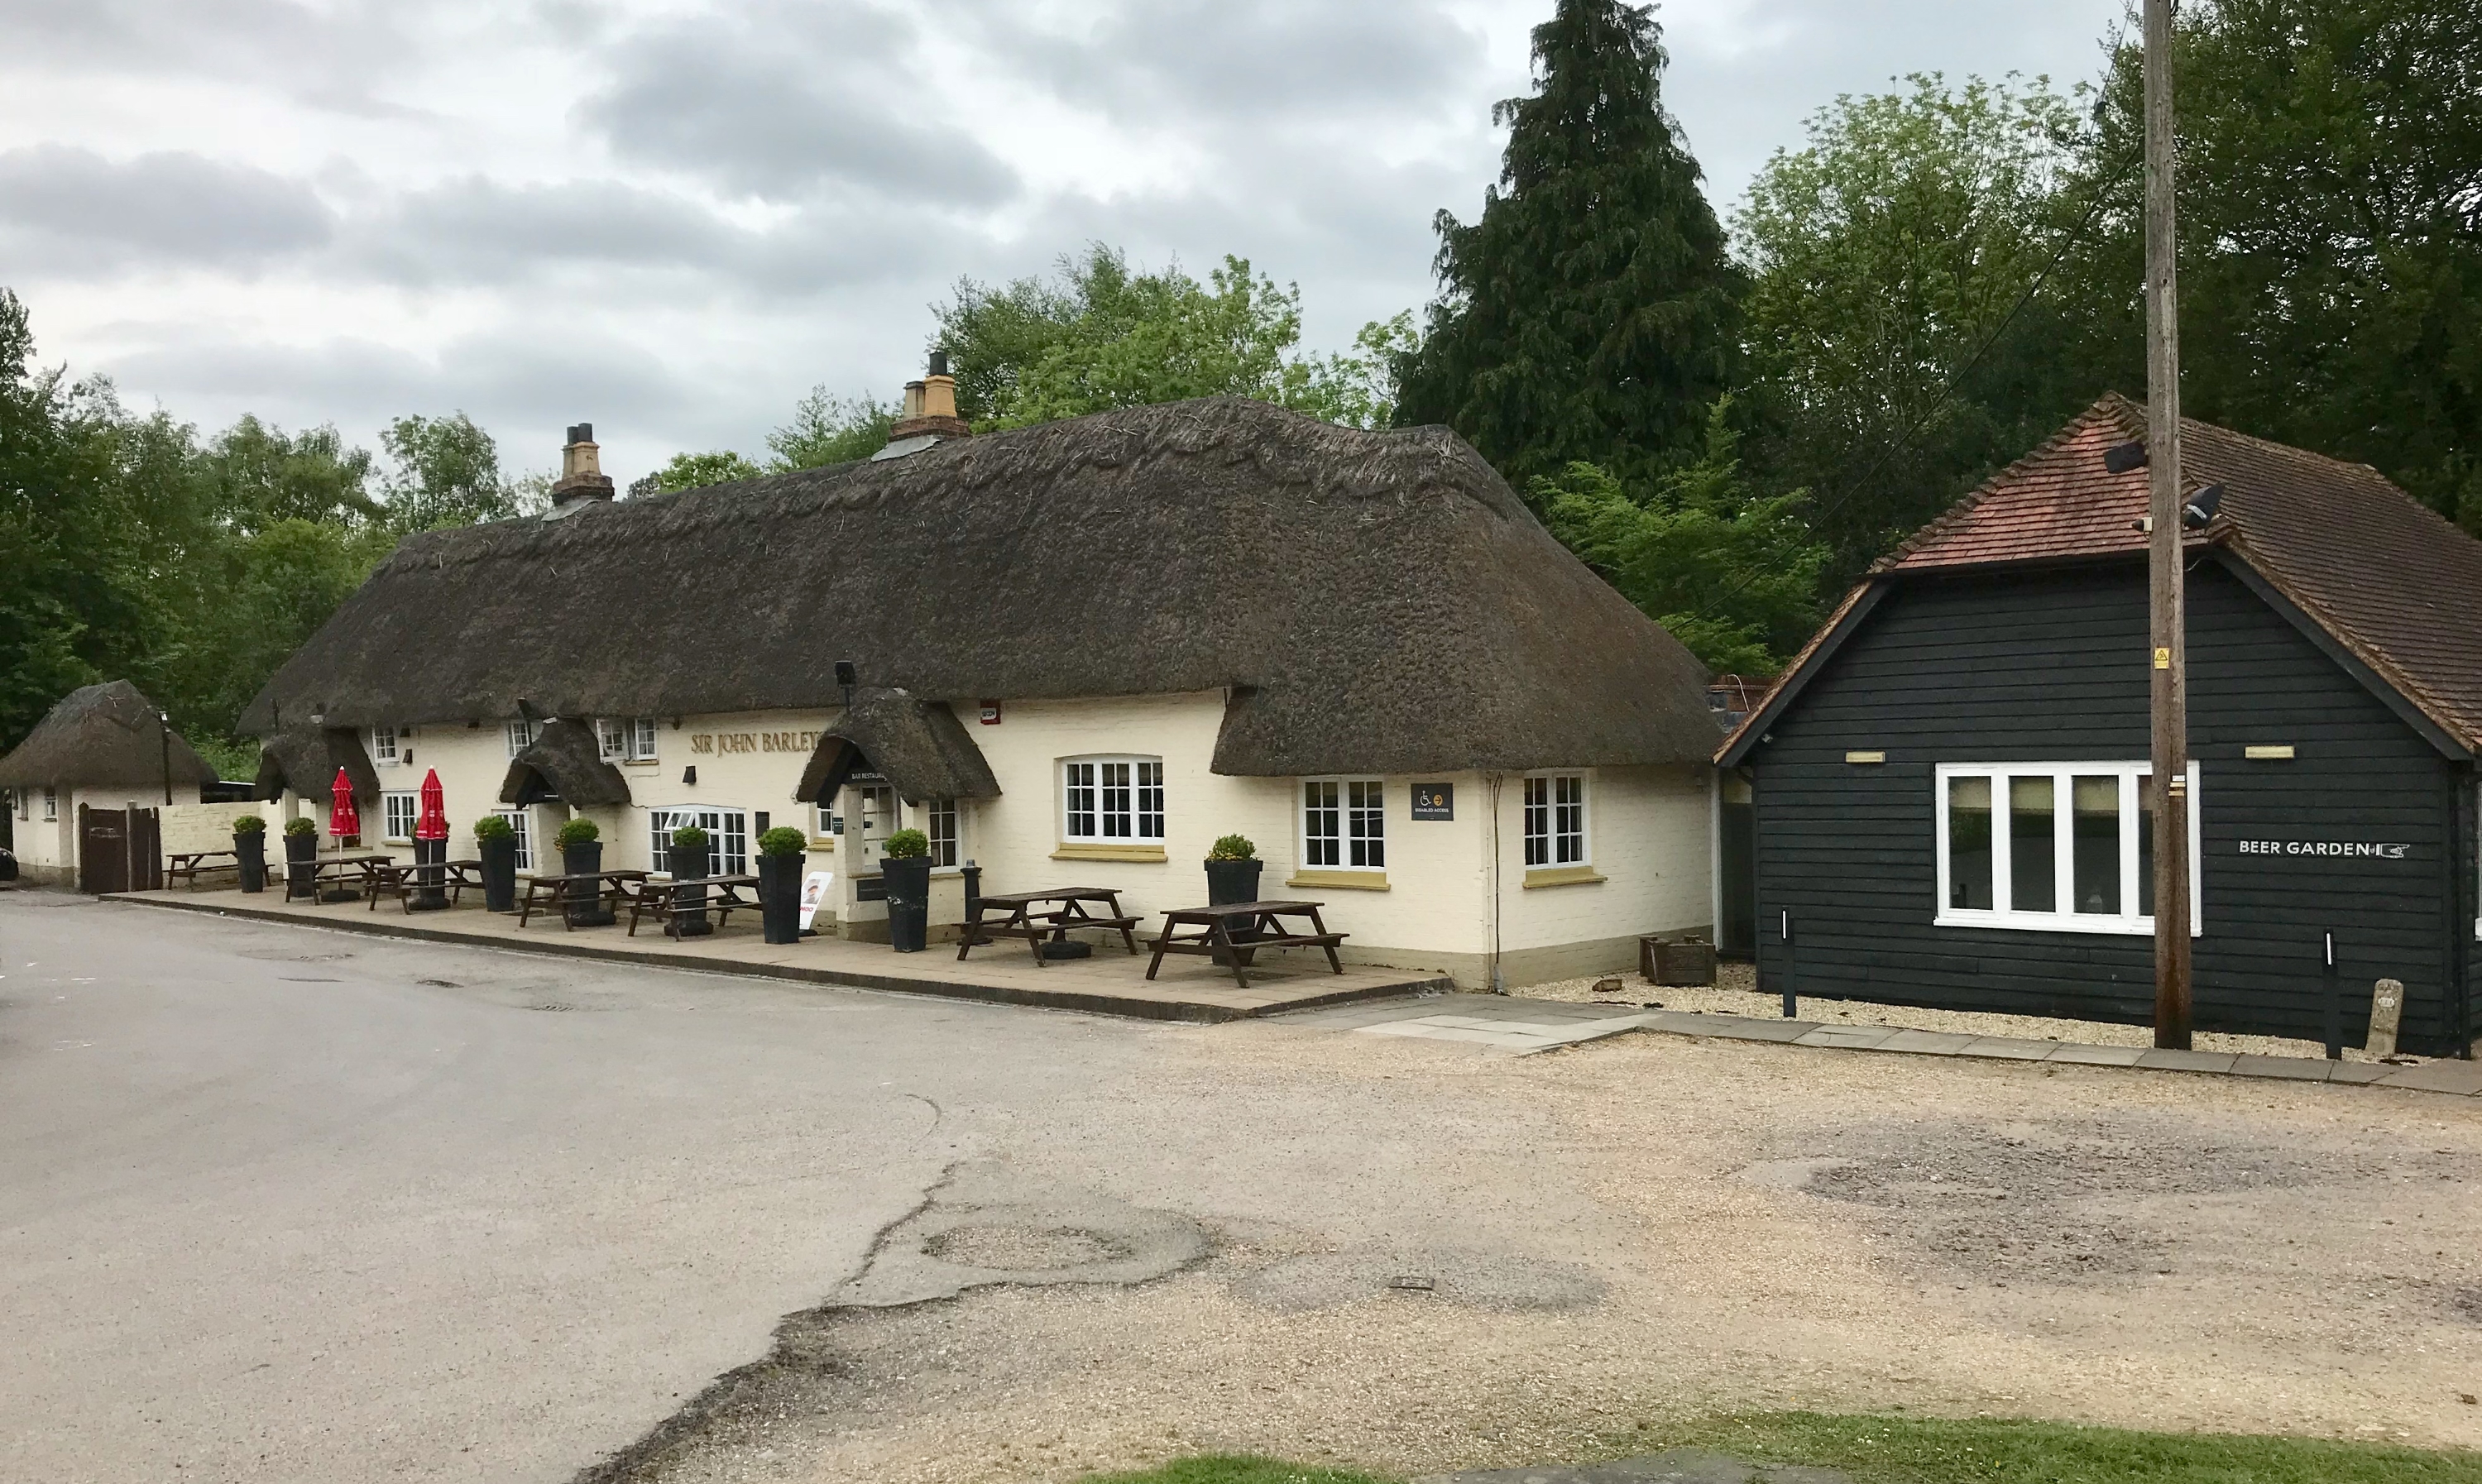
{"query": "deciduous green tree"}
[(447, 472), (692, 471), (828, 429), (1590, 314), (1731, 572)]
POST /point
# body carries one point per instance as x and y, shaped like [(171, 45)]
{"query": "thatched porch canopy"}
[(1375, 601), (918, 746), (305, 760), (564, 766), (101, 736)]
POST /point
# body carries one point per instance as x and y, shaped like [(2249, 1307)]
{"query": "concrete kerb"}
[(1195, 1012)]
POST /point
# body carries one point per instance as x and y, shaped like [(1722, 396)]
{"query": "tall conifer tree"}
[(1590, 315)]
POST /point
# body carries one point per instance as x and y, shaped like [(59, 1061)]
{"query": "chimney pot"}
[(581, 470), (929, 413)]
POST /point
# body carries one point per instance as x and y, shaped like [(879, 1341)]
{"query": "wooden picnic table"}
[(1045, 917), (401, 882), (1265, 929), (186, 864), (609, 889), (675, 898), (356, 866)]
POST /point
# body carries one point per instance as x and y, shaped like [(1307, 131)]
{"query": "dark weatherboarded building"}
[(1947, 786)]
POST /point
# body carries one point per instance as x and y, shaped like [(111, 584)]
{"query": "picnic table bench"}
[(552, 893), (1045, 917), (401, 882), (1214, 935), (353, 868), (186, 864), (678, 899)]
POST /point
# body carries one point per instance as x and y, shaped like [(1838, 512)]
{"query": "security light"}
[(2201, 506)]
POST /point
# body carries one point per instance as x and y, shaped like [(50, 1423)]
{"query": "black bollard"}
[(1791, 982)]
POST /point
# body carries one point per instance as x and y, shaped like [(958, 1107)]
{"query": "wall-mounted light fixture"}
[(689, 775)]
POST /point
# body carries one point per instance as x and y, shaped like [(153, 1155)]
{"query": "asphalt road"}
[(280, 1205)]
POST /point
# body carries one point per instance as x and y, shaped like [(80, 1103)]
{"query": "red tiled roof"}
[(2396, 585)]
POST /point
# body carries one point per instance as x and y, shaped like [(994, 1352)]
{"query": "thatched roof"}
[(564, 763), (304, 760), (101, 736), (918, 746), (1370, 600)]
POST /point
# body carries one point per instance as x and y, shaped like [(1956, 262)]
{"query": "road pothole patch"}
[(1474, 1279), (1007, 1247)]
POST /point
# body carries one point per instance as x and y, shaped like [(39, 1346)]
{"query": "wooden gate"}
[(120, 850)]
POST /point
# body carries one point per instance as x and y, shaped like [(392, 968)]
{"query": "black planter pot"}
[(584, 901), (430, 877), (909, 901), (499, 856), (689, 862), (298, 852), (250, 848), (780, 897), (1234, 881)]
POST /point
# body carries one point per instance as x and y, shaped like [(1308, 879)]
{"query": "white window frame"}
[(51, 804), (384, 746), (1555, 813), (940, 824), (522, 822), (522, 734), (1342, 824), (24, 800), (727, 832), (625, 739), (2126, 922), (393, 802), (1133, 798), (876, 813)]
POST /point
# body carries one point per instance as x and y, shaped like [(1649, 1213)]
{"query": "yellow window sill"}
[(1562, 875), (1340, 881), (1073, 850)]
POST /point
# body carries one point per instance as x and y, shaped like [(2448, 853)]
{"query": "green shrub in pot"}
[(248, 824), (491, 827), (908, 845), (577, 832), (1232, 847), (301, 825), (689, 837), (783, 840)]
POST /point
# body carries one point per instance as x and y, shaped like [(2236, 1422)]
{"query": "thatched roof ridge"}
[(566, 762), (918, 746), (304, 760), (1374, 601), (100, 735)]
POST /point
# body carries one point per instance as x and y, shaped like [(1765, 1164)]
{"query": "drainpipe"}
[(1498, 980)]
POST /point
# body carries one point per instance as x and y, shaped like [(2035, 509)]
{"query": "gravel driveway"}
[(267, 1214)]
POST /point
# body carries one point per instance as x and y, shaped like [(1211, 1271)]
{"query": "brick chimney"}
[(581, 471), (930, 409)]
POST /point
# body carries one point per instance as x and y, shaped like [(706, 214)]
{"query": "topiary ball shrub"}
[(909, 846), (248, 824), (689, 836), (301, 825), (577, 832), (783, 840), (1232, 847), (491, 827)]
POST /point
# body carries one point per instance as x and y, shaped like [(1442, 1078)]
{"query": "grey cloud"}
[(331, 57), (73, 213), (786, 102), (1286, 62)]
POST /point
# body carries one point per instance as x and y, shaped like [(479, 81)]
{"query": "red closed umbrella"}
[(434, 823), (344, 822)]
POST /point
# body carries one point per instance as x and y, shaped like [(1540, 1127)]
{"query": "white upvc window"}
[(51, 803), (521, 821), (940, 823), (728, 838), (823, 821), (2065, 847), (384, 746), (24, 800), (1112, 801), (521, 736), (627, 739), (397, 815), (1344, 824), (1556, 821)]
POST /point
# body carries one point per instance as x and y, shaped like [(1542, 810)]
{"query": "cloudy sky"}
[(673, 217)]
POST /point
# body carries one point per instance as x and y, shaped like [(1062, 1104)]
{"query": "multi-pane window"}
[(519, 821), (1344, 824), (940, 823), (521, 736), (397, 815), (384, 746), (23, 800), (1113, 800), (1555, 820), (627, 739), (2064, 847), (51, 802), (875, 805), (728, 838)]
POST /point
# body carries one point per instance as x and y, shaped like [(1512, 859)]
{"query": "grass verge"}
[(1939, 1450)]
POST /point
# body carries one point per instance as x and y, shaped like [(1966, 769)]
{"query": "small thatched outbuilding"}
[(103, 745)]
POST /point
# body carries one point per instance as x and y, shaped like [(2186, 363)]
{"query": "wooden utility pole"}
[(2167, 623)]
